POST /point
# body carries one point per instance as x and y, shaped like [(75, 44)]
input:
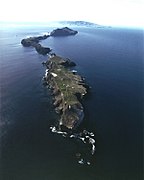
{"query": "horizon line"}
[(56, 21)]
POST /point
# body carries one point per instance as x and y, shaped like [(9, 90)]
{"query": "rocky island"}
[(68, 90), (34, 42), (63, 32)]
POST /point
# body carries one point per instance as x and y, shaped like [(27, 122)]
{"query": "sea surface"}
[(111, 60)]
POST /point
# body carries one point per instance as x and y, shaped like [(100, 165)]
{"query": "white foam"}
[(91, 134), (93, 149), (81, 161), (28, 36), (71, 136), (46, 74), (45, 33), (91, 140), (88, 163), (54, 129), (64, 135), (83, 139)]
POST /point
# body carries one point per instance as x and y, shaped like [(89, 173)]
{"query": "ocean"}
[(111, 60)]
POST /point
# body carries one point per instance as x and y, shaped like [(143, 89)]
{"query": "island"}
[(68, 87), (79, 23), (68, 90), (34, 42), (63, 32)]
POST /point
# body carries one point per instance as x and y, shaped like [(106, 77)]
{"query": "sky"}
[(104, 12)]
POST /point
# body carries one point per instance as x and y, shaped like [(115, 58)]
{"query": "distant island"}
[(34, 41), (63, 32), (82, 24)]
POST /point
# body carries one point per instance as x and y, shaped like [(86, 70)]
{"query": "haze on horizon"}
[(104, 12)]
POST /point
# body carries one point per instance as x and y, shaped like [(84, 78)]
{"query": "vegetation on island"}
[(68, 89)]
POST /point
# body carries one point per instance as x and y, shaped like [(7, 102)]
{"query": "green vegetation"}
[(66, 81)]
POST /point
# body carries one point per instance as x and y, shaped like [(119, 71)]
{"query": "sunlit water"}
[(111, 60)]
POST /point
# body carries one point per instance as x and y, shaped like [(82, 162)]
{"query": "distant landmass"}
[(80, 23), (55, 24)]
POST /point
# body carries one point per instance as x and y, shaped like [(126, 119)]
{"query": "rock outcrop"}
[(63, 32)]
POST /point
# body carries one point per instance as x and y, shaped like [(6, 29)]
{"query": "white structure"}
[(54, 75)]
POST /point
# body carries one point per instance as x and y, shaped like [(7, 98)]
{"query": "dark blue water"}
[(111, 59)]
